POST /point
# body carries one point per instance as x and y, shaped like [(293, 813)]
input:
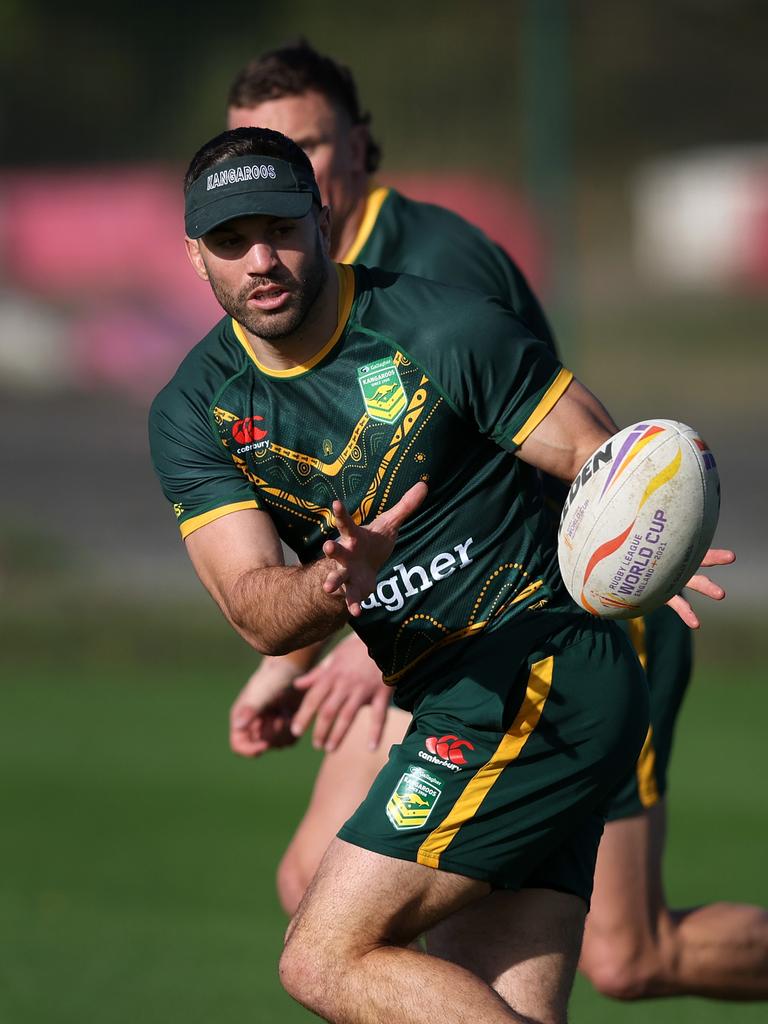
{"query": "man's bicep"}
[(567, 435), (224, 549)]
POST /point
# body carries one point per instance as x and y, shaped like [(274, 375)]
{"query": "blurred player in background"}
[(634, 945)]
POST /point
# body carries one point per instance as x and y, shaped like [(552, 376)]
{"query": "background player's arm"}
[(276, 608)]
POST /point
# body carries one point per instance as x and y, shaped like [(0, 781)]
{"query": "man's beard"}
[(283, 322)]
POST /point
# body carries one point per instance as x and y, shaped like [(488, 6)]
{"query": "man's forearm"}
[(278, 609), (576, 426)]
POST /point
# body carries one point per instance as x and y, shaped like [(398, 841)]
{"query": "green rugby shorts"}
[(505, 771)]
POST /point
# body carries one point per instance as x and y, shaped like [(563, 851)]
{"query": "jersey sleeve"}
[(197, 476), (495, 373)]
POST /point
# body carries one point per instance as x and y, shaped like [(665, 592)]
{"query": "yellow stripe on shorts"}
[(647, 787), (478, 787)]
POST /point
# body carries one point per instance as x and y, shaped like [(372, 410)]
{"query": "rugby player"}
[(634, 946), (315, 413)]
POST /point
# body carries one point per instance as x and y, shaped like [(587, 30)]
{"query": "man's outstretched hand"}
[(702, 585), (334, 692), (261, 716), (361, 551)]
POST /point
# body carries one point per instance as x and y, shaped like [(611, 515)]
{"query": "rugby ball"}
[(638, 519)]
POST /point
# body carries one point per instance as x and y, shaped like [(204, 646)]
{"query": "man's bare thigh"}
[(344, 778)]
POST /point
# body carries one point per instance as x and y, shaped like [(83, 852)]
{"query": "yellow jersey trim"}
[(551, 397), (346, 297), (645, 769), (479, 786), (209, 517), (373, 205)]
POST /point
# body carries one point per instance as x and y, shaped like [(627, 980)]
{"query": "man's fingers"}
[(323, 672), (394, 517), (338, 571), (684, 610), (332, 549), (309, 705), (240, 743), (242, 715), (345, 716), (379, 710), (717, 556), (309, 679), (334, 583), (704, 585), (325, 717), (345, 524)]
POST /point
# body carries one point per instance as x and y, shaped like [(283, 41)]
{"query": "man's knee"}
[(621, 969), (316, 973), (301, 972), (303, 968)]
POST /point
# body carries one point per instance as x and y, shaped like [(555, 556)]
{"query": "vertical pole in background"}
[(545, 91)]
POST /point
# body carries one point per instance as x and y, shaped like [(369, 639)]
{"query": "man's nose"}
[(261, 258)]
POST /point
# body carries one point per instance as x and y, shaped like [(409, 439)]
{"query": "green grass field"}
[(138, 855)]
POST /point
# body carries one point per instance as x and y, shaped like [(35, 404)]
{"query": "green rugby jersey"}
[(412, 237), (418, 382)]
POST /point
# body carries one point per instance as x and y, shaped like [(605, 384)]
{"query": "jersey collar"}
[(373, 205), (346, 278)]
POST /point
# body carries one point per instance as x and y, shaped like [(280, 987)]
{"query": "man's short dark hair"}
[(245, 142), (293, 70)]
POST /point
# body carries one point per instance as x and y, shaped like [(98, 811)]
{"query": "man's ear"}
[(324, 223), (196, 257), (358, 143)]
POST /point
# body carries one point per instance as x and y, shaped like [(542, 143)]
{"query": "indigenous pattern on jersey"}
[(418, 382), (410, 237)]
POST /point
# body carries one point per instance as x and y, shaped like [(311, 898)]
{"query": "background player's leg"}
[(524, 944), (344, 778), (636, 947), (346, 955)]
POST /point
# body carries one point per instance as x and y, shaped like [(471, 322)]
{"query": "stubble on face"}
[(285, 321)]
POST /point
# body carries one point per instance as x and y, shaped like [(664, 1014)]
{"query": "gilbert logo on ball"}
[(638, 519)]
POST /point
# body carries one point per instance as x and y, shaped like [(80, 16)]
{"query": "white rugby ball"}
[(638, 519)]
